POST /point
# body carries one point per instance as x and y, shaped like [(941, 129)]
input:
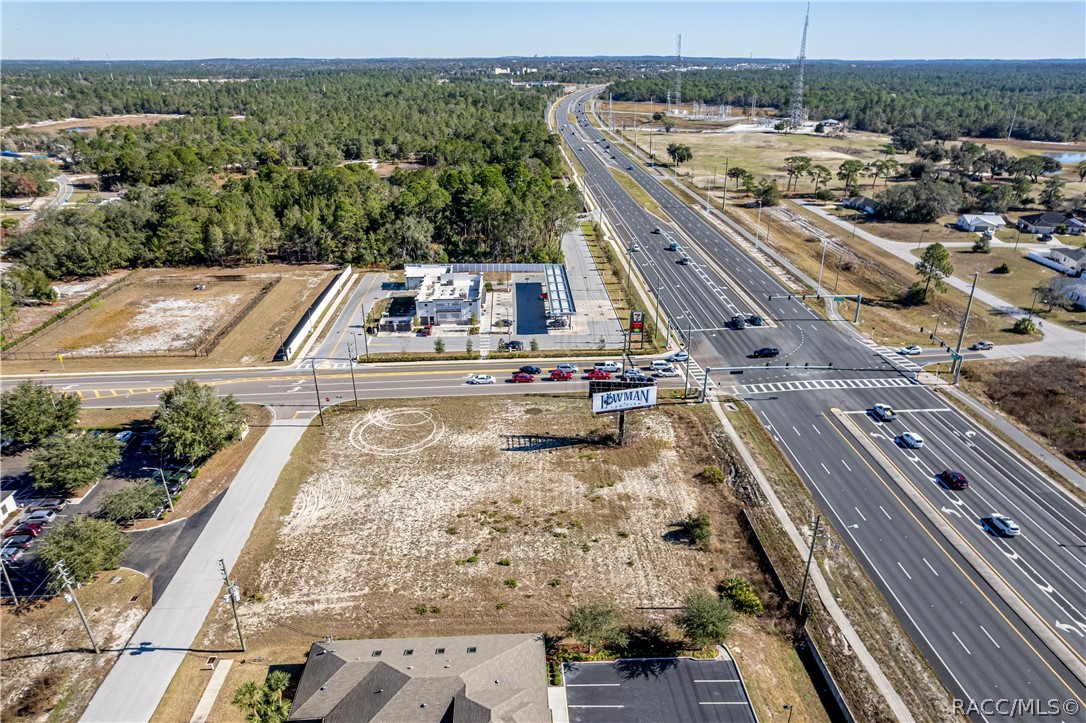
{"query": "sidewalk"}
[(1058, 340)]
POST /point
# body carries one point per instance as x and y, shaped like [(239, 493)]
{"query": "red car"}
[(599, 374), (31, 528), (557, 375), (953, 480), (522, 378)]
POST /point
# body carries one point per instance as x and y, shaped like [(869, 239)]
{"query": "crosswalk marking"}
[(892, 356), (813, 384)]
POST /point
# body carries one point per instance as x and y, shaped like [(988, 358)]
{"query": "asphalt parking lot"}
[(531, 311), (656, 689)]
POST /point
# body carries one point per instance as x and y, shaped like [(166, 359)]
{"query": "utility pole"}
[(320, 408), (62, 572), (686, 388), (4, 567), (353, 387), (705, 384), (724, 194), (233, 594), (656, 315), (821, 265), (807, 572), (758, 228), (165, 487), (961, 334)]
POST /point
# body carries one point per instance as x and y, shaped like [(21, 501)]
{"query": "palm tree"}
[(248, 697), (277, 682)]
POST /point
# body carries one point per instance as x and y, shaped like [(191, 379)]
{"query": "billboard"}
[(620, 400)]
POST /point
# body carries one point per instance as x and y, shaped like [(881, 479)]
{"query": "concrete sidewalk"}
[(145, 668)]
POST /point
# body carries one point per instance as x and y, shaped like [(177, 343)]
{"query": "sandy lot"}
[(139, 119)]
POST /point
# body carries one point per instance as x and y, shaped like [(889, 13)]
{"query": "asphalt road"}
[(977, 644)]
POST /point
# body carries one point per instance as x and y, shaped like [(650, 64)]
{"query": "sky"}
[(144, 30)]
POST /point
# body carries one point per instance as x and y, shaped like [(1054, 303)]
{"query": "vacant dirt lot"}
[(138, 119), (70, 292)]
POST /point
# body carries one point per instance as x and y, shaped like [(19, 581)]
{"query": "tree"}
[(31, 411), (658, 115), (439, 346), (768, 192), (1052, 194), (248, 697), (668, 124), (982, 245), (922, 202), (1031, 166), (65, 463), (910, 137), (935, 266), (849, 172), (705, 619), (134, 502), (87, 545), (277, 682), (679, 153), (193, 423), (796, 166), (884, 167), (469, 346), (820, 175), (738, 174), (1081, 171), (596, 624)]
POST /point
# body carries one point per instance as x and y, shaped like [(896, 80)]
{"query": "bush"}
[(511, 584), (705, 619), (824, 194), (1001, 269), (711, 475), (742, 595), (533, 345), (1024, 326), (596, 624), (982, 245), (697, 526)]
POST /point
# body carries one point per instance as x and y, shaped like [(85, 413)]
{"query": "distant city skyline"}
[(839, 30)]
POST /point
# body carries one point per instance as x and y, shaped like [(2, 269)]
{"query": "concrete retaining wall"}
[(309, 319)]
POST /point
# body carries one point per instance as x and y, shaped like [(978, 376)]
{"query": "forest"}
[(262, 167), (1045, 100)]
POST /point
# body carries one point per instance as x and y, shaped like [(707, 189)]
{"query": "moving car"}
[(982, 346), (560, 375), (658, 364), (31, 528), (673, 246), (635, 247), (755, 320), (912, 440), (481, 379), (766, 352), (1003, 525), (679, 356), (910, 350), (608, 366), (685, 261), (599, 374), (635, 375), (739, 322), (522, 378), (884, 412), (529, 369), (669, 372), (657, 230), (567, 367), (953, 480)]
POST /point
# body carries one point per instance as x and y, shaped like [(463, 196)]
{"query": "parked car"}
[(755, 320), (679, 356), (953, 480), (41, 517), (11, 555), (982, 346), (658, 364), (884, 412), (29, 528), (514, 345), (910, 350), (522, 378), (481, 379), (560, 375), (1003, 525), (22, 541), (739, 322), (567, 367), (54, 505), (766, 352), (608, 366), (124, 436), (912, 440), (599, 374), (529, 369)]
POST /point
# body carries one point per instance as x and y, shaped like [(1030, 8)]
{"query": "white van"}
[(608, 366), (660, 365)]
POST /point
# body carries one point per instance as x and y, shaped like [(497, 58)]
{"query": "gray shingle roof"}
[(1048, 218)]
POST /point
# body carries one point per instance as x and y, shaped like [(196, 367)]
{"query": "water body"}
[(1068, 158)]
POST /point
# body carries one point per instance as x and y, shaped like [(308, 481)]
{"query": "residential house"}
[(1046, 222), (425, 680), (1074, 260), (1075, 227), (861, 203), (1075, 292), (8, 505), (981, 222)]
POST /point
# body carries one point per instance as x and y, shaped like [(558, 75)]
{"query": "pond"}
[(1068, 158)]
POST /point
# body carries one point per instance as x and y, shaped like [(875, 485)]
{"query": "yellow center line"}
[(954, 562), (353, 312)]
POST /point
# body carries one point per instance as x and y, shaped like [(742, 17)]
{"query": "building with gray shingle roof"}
[(466, 679)]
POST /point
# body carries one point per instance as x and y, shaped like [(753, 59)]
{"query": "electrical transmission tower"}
[(797, 114), (678, 73)]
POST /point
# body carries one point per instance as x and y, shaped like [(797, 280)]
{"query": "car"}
[(634, 374), (738, 322), (529, 369), (503, 322), (684, 261), (24, 207), (679, 356), (982, 346), (755, 320), (560, 375), (635, 247), (669, 372), (658, 364), (673, 246), (608, 366), (910, 350), (22, 541), (1003, 525), (912, 440), (629, 168), (12, 555), (567, 367), (481, 379), (599, 374), (41, 517), (522, 378), (953, 480), (30, 528), (657, 230), (124, 436), (1045, 237), (514, 345), (766, 352), (884, 412), (54, 505)]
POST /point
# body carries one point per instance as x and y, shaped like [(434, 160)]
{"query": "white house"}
[(445, 297), (1075, 227), (7, 503), (860, 203), (981, 222), (1074, 260), (1046, 222), (1075, 292)]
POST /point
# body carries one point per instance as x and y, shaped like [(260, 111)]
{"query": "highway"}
[(978, 645)]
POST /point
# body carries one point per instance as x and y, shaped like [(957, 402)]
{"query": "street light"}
[(162, 475), (758, 228), (789, 709), (921, 239)]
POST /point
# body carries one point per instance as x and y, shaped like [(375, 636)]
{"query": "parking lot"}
[(656, 689)]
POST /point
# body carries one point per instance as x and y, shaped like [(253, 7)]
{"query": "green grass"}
[(638, 194)]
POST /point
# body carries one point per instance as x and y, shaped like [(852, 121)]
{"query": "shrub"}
[(705, 619), (555, 582), (421, 609), (1024, 326), (504, 562), (533, 345), (742, 595), (439, 346), (824, 194), (596, 624), (711, 475), (1001, 269), (698, 527), (982, 246), (511, 584)]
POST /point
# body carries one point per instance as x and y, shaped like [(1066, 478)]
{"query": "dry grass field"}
[(138, 119)]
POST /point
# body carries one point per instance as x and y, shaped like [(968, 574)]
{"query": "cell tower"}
[(678, 73), (797, 114)]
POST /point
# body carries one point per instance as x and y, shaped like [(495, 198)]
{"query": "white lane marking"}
[(796, 431), (846, 465), (595, 706), (815, 428), (929, 566), (905, 571), (717, 680), (825, 467), (989, 636), (861, 514), (885, 513), (960, 642), (735, 702)]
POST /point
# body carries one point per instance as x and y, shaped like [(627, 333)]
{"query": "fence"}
[(206, 347)]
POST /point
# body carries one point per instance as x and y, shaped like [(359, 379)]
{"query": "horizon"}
[(480, 58)]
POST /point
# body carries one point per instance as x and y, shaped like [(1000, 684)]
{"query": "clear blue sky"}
[(849, 30)]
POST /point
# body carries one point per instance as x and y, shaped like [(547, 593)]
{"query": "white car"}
[(884, 412), (481, 379), (608, 366), (679, 356), (669, 372), (912, 440), (566, 367), (1004, 525), (659, 364), (635, 247), (910, 350), (41, 517), (124, 436)]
